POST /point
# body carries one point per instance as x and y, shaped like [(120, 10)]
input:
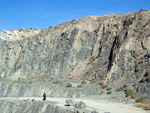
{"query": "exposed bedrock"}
[(109, 48)]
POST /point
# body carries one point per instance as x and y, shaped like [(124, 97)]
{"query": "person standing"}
[(44, 96), (147, 56)]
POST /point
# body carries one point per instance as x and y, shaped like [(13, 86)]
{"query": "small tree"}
[(130, 92)]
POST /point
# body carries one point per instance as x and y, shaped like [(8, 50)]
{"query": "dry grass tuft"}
[(136, 30), (144, 105), (104, 86), (57, 82)]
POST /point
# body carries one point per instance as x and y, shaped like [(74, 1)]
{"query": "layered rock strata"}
[(108, 48)]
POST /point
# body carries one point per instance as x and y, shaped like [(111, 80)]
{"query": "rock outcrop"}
[(108, 48), (32, 107)]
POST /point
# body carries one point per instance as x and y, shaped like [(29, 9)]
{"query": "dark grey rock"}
[(33, 100)]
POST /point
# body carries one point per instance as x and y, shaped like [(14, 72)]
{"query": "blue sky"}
[(15, 14)]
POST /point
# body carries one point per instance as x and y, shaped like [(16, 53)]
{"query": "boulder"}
[(80, 105), (70, 102), (146, 43), (33, 100)]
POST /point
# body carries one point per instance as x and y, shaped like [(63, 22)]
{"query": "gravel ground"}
[(102, 106)]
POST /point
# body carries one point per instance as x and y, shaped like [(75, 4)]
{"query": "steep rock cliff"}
[(109, 48)]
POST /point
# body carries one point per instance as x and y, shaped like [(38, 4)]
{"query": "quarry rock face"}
[(110, 49), (32, 107)]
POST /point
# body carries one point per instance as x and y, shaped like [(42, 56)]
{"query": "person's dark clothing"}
[(147, 56), (44, 96)]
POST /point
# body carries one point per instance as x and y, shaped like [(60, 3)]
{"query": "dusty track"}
[(99, 105)]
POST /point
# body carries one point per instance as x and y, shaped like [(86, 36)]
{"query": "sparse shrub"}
[(92, 80), (133, 35), (130, 92), (125, 86), (134, 85), (15, 81), (104, 86), (118, 90), (69, 85), (101, 77), (136, 30), (141, 9), (121, 88), (114, 97), (92, 59), (57, 82), (83, 82), (53, 78), (146, 106), (109, 92), (71, 78), (132, 68), (85, 57), (79, 86), (129, 97), (140, 100), (140, 105), (101, 83), (18, 78), (102, 92), (108, 88), (86, 78), (106, 62)]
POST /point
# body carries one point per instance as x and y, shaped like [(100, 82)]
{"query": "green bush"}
[(121, 88), (108, 88), (57, 82), (83, 82), (125, 86), (109, 92), (79, 86), (140, 100), (118, 90), (69, 85), (130, 92), (103, 85)]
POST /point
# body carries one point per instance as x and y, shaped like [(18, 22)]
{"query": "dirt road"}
[(100, 106)]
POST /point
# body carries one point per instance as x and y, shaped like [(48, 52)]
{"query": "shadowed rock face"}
[(108, 48)]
